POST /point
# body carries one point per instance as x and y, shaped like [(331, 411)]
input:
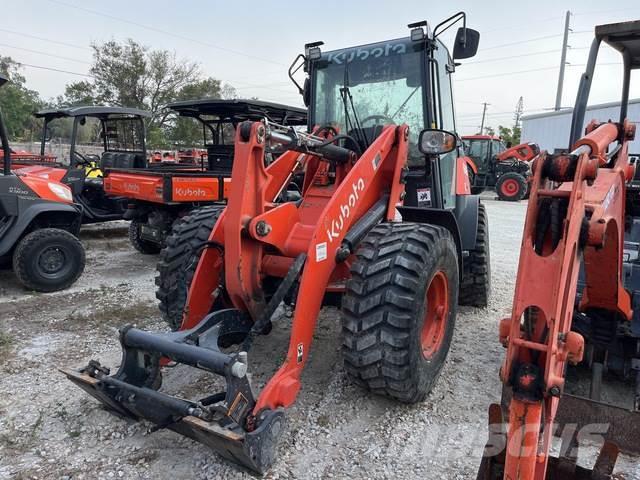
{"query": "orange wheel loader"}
[(385, 226)]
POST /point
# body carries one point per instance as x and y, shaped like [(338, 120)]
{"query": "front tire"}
[(179, 259), (399, 309), (511, 187), (48, 260)]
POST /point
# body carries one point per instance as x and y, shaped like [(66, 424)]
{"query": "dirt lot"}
[(50, 429)]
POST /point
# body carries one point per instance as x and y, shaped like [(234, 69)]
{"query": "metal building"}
[(551, 130)]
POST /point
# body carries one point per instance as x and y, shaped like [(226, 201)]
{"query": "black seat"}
[(220, 158), (124, 160), (107, 161)]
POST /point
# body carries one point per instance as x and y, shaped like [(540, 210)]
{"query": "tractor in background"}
[(496, 165)]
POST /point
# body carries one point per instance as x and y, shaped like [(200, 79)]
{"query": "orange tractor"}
[(503, 167), (582, 236), (385, 225)]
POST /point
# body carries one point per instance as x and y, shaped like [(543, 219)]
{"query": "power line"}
[(49, 40), (512, 56), (40, 52), (164, 32), (505, 74), (41, 67), (516, 43)]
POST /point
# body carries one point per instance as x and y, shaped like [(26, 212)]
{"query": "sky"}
[(250, 45)]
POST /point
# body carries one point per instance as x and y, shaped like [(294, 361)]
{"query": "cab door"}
[(445, 119)]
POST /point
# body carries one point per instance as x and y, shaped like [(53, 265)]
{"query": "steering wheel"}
[(376, 118)]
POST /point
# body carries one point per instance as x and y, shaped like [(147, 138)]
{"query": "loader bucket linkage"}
[(221, 420)]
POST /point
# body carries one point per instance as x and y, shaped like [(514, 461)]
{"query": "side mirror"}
[(306, 92), (436, 142), (466, 44), (47, 134)]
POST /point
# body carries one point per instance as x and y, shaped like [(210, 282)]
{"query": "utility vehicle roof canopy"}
[(240, 110), (90, 111)]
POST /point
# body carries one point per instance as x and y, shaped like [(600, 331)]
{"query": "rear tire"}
[(475, 287), (511, 187), (399, 309), (179, 259), (143, 246), (48, 260)]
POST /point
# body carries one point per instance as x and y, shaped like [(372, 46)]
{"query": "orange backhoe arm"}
[(581, 218)]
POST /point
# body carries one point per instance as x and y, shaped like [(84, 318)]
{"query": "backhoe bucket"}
[(223, 421), (577, 419)]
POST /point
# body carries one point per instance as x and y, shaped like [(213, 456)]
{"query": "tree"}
[(17, 102), (129, 74), (510, 135)]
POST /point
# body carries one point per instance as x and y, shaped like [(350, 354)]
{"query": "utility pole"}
[(484, 111), (563, 60), (518, 113)]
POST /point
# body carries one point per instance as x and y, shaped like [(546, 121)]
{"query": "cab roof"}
[(240, 110), (624, 37), (90, 111)]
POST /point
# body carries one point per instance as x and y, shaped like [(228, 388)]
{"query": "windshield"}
[(384, 87), (93, 136), (477, 149)]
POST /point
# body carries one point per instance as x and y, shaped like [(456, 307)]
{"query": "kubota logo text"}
[(191, 192), (337, 225), (132, 187)]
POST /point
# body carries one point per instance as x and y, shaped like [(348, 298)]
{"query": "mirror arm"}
[(453, 19), (293, 70)]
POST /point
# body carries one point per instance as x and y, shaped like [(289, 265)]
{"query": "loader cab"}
[(357, 91)]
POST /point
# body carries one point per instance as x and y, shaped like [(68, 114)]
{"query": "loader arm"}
[(525, 152), (262, 238), (576, 211)]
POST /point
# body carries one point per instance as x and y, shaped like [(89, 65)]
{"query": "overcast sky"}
[(251, 45)]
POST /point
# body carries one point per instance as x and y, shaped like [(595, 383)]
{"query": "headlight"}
[(61, 191)]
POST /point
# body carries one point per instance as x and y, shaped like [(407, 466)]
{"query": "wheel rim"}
[(435, 318), (510, 187), (53, 261)]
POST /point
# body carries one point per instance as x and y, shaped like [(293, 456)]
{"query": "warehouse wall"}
[(551, 131)]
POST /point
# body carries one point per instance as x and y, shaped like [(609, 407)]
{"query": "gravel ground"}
[(50, 429)]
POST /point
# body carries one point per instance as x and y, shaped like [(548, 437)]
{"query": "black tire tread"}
[(143, 246), (179, 259), (378, 304), (21, 254), (475, 287)]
